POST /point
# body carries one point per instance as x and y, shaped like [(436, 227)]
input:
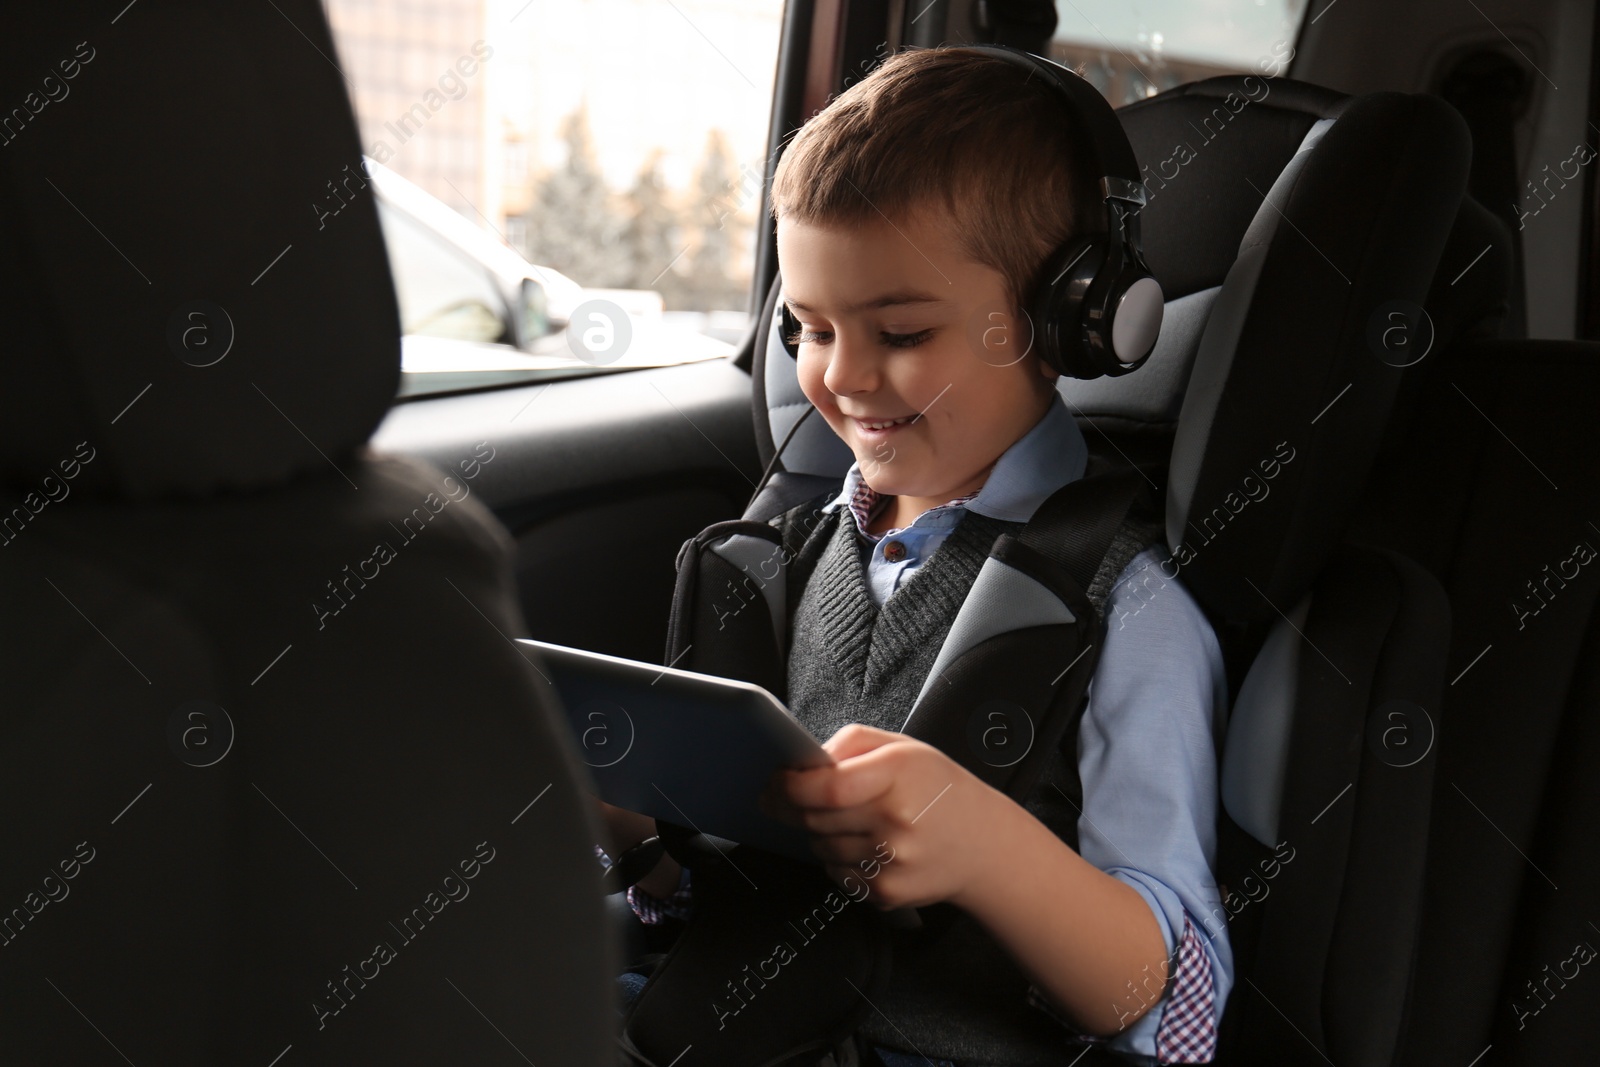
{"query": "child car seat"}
[(1327, 741)]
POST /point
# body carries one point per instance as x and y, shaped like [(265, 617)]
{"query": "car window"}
[(1131, 51), (629, 190)]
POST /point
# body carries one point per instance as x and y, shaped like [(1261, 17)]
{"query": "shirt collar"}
[(1048, 456)]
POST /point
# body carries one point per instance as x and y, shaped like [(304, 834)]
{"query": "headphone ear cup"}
[(788, 327), (1134, 320), (1057, 308)]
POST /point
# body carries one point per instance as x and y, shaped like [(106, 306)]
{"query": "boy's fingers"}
[(842, 850), (773, 802), (848, 785), (856, 739), (834, 821)]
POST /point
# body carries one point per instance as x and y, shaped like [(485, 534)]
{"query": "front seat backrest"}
[(280, 787)]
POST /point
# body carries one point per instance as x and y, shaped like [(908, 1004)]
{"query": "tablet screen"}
[(690, 749)]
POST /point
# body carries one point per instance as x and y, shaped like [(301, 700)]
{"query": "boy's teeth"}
[(886, 425)]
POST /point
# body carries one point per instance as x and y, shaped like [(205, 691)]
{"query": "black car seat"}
[(278, 786), (1325, 776), (1492, 482), (1265, 342)]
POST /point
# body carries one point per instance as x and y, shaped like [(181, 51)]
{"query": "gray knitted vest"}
[(852, 661), (960, 997)]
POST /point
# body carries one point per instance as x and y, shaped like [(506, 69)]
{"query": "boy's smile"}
[(899, 327)]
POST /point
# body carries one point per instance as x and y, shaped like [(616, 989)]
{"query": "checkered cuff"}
[(1188, 1029), (1188, 1032), (652, 909)]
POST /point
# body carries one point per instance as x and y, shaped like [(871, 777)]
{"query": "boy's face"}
[(896, 322)]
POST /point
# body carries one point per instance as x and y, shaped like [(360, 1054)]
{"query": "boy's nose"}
[(852, 367)]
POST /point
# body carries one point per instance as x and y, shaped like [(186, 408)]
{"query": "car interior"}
[(275, 741)]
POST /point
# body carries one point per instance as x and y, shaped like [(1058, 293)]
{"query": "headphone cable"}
[(773, 462)]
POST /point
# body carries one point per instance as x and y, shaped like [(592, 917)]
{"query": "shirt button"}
[(894, 551)]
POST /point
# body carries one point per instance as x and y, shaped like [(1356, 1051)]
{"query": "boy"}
[(912, 216)]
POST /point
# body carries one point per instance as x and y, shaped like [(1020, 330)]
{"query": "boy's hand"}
[(894, 810)]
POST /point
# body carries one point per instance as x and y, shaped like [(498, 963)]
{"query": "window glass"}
[(1131, 51), (620, 143)]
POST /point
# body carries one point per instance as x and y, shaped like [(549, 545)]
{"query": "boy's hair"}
[(995, 142)]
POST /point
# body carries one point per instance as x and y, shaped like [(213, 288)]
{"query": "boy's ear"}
[(1021, 315), (1045, 369)]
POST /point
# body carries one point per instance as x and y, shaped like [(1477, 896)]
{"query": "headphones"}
[(1095, 309)]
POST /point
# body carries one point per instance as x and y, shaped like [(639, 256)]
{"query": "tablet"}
[(690, 749)]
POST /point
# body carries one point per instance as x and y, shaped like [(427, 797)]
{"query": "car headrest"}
[(192, 274), (1200, 147), (1304, 349)]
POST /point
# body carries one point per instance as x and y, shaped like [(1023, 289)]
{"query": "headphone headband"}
[(1107, 145)]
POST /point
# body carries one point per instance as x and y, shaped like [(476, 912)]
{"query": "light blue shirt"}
[(1148, 742)]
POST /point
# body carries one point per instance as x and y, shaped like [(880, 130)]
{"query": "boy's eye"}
[(803, 337), (907, 340), (896, 340)]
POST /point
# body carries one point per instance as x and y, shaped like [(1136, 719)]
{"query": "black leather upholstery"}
[(280, 788)]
